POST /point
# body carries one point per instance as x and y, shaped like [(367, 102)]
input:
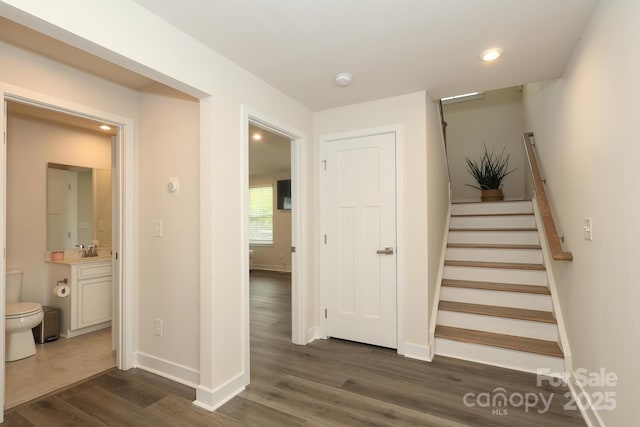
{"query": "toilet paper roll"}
[(62, 290)]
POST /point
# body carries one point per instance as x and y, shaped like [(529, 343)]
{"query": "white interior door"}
[(359, 266)]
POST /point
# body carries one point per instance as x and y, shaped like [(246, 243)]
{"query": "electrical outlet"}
[(157, 327)]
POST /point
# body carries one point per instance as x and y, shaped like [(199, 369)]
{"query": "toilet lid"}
[(21, 309)]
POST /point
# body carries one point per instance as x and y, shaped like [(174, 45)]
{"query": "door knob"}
[(385, 251)]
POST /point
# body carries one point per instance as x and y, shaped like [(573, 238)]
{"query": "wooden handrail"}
[(543, 203)]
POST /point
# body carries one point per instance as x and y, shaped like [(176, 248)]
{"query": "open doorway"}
[(296, 150), (270, 243), (269, 201), (102, 220)]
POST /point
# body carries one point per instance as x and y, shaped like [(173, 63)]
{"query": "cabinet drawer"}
[(94, 270)]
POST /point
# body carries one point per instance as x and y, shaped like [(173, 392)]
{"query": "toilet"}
[(20, 317)]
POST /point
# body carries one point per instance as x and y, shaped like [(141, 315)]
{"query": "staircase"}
[(495, 306)]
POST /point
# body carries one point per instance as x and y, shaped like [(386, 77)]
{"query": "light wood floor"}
[(58, 364), (326, 383)]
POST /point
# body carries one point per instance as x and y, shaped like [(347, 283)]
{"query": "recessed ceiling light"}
[(105, 127), (491, 55), (343, 79), (256, 137)]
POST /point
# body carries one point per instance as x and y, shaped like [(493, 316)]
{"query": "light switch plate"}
[(588, 229), (157, 228)]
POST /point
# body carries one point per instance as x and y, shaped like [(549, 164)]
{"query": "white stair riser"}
[(499, 325), (499, 275), (498, 298), (491, 207), (495, 237), (512, 359), (516, 221), (527, 256)]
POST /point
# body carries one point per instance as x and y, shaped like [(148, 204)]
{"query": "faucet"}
[(93, 251), (86, 253), (83, 252)]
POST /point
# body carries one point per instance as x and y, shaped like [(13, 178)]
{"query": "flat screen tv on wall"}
[(284, 194)]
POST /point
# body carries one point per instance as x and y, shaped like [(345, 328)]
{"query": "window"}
[(261, 215)]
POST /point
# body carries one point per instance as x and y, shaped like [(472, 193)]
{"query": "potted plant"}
[(489, 173)]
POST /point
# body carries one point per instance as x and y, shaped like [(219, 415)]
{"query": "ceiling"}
[(269, 155), (391, 47), (59, 117)]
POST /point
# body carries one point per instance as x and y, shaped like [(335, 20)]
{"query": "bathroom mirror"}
[(78, 206)]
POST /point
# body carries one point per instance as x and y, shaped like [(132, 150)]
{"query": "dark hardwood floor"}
[(327, 383)]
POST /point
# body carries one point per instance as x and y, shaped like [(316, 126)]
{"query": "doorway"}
[(298, 213), (120, 148)]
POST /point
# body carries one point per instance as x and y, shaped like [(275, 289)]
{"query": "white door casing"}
[(123, 243), (359, 264)]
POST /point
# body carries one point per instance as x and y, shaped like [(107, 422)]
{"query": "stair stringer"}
[(436, 294), (563, 339)]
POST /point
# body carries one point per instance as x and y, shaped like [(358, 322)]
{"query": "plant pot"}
[(492, 195)]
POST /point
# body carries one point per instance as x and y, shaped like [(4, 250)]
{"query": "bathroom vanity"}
[(87, 307)]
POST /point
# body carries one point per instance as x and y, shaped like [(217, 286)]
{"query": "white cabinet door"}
[(94, 301)]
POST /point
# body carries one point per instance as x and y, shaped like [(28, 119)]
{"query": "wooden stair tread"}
[(493, 201), (505, 265), (493, 229), (494, 286), (511, 342), (491, 246), (466, 215), (498, 311)]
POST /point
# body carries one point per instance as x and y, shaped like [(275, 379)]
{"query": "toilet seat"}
[(22, 309)]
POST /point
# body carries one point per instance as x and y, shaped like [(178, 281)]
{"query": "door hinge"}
[(325, 239), (293, 249), (69, 185), (116, 256), (324, 164), (325, 313)]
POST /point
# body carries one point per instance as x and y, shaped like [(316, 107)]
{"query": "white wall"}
[(277, 256), (103, 206), (169, 279), (225, 88), (31, 144), (586, 132), (409, 111), (496, 119)]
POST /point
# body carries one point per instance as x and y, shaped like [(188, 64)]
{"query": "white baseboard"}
[(212, 399), (88, 329), (173, 371), (590, 415), (268, 267), (313, 334), (417, 351)]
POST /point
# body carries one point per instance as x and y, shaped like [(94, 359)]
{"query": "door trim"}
[(299, 211), (125, 171), (397, 129)]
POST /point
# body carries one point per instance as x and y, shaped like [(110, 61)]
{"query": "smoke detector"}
[(343, 79)]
